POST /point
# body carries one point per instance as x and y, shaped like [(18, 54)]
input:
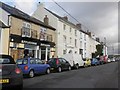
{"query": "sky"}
[(98, 16)]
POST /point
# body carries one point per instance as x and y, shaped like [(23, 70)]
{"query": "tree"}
[(99, 51)]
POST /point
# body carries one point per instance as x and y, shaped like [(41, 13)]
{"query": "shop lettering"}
[(30, 42)]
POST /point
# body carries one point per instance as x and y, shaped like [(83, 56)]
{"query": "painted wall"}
[(4, 16), (4, 41)]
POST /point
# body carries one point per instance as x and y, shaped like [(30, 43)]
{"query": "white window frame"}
[(26, 26)]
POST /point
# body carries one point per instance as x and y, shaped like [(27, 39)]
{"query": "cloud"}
[(27, 6)]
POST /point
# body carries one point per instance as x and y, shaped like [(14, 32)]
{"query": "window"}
[(64, 26), (70, 29), (80, 35), (64, 52), (38, 61), (70, 40), (75, 32), (43, 35), (84, 36), (4, 60), (85, 46), (80, 44), (32, 61), (75, 42), (26, 30), (63, 60), (22, 61), (64, 38)]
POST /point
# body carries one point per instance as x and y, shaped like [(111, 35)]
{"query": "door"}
[(33, 65), (65, 64), (40, 66)]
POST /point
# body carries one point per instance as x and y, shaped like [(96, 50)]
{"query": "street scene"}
[(59, 44)]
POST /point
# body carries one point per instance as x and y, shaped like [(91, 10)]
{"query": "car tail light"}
[(57, 61), (26, 68), (17, 70)]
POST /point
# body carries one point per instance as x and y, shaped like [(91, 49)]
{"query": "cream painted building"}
[(68, 35), (25, 35)]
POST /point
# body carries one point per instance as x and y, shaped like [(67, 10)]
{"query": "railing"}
[(46, 37), (27, 32), (34, 33)]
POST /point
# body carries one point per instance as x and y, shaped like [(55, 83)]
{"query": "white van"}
[(75, 59)]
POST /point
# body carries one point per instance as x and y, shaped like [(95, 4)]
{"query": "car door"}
[(65, 63), (41, 67), (33, 65)]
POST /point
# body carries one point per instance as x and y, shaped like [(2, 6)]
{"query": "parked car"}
[(59, 64), (103, 59), (10, 75), (112, 59), (95, 61), (32, 66), (87, 62), (108, 60), (74, 59)]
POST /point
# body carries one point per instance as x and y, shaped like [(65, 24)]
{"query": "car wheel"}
[(69, 68), (59, 69), (48, 71), (31, 74), (76, 66), (95, 64), (84, 65)]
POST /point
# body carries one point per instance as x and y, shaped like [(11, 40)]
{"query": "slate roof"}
[(19, 14), (61, 18), (2, 25)]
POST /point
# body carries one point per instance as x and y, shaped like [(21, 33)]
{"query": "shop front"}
[(21, 47)]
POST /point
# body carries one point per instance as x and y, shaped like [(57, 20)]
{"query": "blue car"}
[(95, 61), (32, 66)]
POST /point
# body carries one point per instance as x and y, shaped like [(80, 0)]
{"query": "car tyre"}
[(59, 69), (77, 66), (69, 68), (84, 65), (31, 74), (48, 71)]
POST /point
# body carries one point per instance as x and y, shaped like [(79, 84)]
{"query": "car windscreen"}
[(22, 61)]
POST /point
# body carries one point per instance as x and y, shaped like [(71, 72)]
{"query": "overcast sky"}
[(100, 17)]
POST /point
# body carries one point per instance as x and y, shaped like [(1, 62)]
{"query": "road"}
[(102, 76)]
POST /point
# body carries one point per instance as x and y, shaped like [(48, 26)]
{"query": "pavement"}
[(101, 76)]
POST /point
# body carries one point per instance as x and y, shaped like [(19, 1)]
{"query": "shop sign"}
[(28, 42)]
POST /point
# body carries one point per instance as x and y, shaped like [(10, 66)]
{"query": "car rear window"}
[(4, 61), (22, 61), (52, 60)]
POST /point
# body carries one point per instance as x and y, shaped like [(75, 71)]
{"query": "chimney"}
[(89, 33), (46, 20), (66, 18), (98, 39), (78, 25)]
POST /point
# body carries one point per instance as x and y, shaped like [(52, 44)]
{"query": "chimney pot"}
[(78, 25), (46, 20), (66, 18)]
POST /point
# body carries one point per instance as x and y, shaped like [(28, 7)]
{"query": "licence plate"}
[(4, 80), (52, 68)]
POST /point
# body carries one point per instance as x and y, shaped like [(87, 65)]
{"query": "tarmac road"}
[(101, 76)]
